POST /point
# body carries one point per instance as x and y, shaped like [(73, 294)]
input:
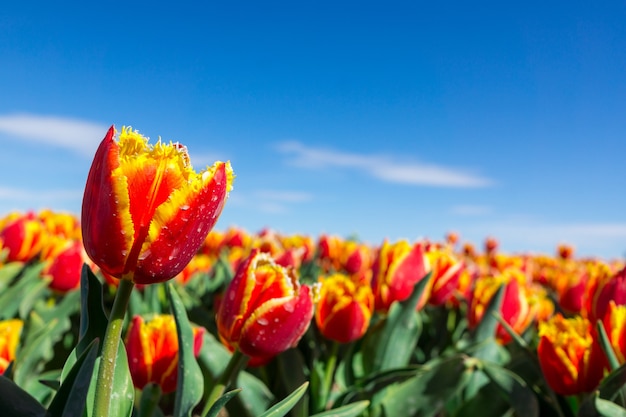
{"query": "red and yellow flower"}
[(23, 236), (64, 260), (516, 310), (145, 210), (396, 270), (446, 272), (10, 331), (615, 326), (344, 309), (152, 348), (265, 310), (570, 356)]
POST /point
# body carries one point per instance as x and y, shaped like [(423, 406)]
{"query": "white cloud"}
[(77, 135), (382, 167), (284, 196), (471, 210), (590, 239), (23, 195)]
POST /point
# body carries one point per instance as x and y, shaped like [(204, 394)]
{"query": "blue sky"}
[(381, 119)]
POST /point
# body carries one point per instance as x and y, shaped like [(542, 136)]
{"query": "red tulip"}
[(344, 309), (570, 356), (397, 268), (145, 210), (152, 349), (264, 310), (10, 331)]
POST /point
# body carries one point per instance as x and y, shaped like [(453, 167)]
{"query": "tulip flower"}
[(515, 309), (570, 356), (615, 326), (446, 272), (23, 237), (397, 268), (10, 331), (613, 289), (344, 308), (145, 210), (152, 348), (64, 262), (264, 310)]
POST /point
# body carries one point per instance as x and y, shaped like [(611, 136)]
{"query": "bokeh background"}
[(371, 119)]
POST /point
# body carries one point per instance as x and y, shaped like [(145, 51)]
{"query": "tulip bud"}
[(570, 356), (397, 268), (264, 310), (344, 309), (10, 331), (152, 348), (145, 210)]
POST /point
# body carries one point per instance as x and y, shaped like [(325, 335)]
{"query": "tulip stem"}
[(329, 374), (236, 363), (106, 370)]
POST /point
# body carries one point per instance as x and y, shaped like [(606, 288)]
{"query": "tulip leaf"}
[(486, 328), (514, 389), (25, 290), (427, 393), (292, 368), (190, 382), (70, 399), (368, 386), (606, 408), (93, 320), (149, 401), (221, 402), (15, 402), (350, 410), (284, 406), (606, 346), (8, 273), (392, 343)]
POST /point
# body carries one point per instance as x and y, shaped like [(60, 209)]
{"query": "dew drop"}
[(262, 321)]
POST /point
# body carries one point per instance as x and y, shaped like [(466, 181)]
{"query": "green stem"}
[(106, 370), (329, 374), (236, 363)]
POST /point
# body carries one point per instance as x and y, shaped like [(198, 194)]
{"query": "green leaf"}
[(608, 409), (190, 383), (221, 402), (15, 402), (426, 393), (606, 346), (9, 272), (514, 389), (486, 329), (392, 343), (149, 401), (286, 404), (371, 384), (350, 410), (29, 287), (72, 395)]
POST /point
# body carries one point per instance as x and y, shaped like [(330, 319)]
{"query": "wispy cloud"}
[(471, 210), (77, 135), (284, 196), (382, 167), (590, 238), (24, 195)]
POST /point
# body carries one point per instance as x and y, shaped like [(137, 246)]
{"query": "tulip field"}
[(140, 307)]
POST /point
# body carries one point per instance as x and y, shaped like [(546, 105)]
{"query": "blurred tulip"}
[(152, 348), (23, 237), (396, 270), (145, 210), (64, 262), (344, 309), (615, 326), (264, 310), (10, 331), (446, 271), (515, 310), (570, 357), (200, 263), (613, 289)]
